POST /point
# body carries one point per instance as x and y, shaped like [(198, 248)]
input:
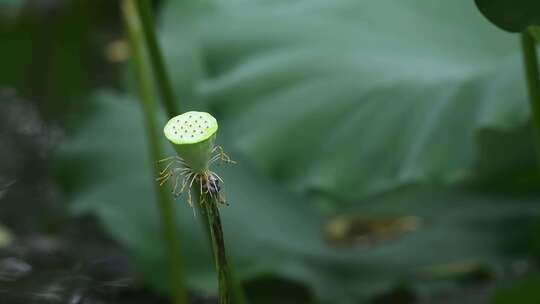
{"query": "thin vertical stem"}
[(530, 61), (158, 62), (220, 256), (218, 247), (144, 10), (229, 287), (167, 95), (165, 203)]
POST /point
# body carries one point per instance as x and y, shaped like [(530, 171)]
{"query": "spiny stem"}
[(226, 279), (203, 219), (530, 62), (220, 258), (165, 202), (162, 77), (227, 288)]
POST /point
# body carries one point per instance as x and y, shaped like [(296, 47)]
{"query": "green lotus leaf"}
[(511, 15), (352, 98), (270, 231)]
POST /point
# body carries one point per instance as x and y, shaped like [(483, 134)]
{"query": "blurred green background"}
[(385, 153)]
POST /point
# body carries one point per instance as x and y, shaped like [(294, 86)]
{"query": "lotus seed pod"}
[(193, 135)]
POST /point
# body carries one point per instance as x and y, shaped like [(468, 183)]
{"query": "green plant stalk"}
[(223, 270), (192, 135), (165, 202), (162, 77), (227, 282), (535, 32), (530, 61), (167, 95)]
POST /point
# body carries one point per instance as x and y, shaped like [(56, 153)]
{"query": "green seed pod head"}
[(193, 135)]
